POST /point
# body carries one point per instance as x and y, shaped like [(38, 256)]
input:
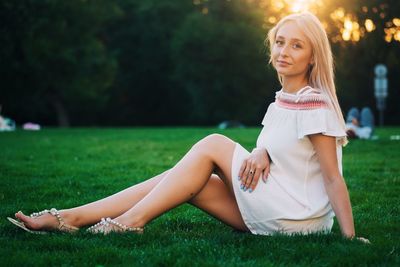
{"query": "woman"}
[(298, 157)]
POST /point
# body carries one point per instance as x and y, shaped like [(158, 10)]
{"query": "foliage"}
[(143, 91), (55, 56), (355, 62), (129, 62), (222, 63)]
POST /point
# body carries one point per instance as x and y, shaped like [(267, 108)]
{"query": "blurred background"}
[(177, 62)]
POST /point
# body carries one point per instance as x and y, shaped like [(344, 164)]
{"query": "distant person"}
[(302, 187), (6, 124), (360, 125)]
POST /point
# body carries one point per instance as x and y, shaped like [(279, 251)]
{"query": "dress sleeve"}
[(321, 120), (269, 115)]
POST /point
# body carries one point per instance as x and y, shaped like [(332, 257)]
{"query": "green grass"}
[(65, 168)]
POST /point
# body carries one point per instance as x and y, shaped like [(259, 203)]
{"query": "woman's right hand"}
[(256, 165)]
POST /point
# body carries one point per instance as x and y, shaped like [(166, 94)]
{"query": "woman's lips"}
[(283, 62)]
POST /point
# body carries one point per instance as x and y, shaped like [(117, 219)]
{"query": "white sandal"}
[(108, 225), (62, 226)]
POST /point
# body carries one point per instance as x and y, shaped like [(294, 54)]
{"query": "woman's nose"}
[(284, 50)]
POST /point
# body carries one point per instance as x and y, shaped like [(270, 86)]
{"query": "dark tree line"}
[(151, 62)]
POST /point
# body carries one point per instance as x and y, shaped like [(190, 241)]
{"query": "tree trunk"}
[(61, 112)]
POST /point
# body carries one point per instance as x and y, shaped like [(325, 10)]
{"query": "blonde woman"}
[(290, 183)]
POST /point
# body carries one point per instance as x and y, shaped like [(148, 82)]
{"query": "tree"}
[(144, 92), (54, 57), (221, 63)]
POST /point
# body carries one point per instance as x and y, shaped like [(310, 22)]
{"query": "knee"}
[(210, 143), (214, 138)]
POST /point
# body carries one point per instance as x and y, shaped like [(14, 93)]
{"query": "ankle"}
[(131, 221), (70, 218)]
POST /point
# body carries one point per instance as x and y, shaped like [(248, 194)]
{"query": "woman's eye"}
[(296, 46), (279, 42)]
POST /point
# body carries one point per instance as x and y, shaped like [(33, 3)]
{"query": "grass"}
[(65, 168)]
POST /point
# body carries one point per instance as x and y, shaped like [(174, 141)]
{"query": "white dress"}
[(294, 198)]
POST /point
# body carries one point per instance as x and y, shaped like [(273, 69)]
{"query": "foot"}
[(43, 222), (46, 221)]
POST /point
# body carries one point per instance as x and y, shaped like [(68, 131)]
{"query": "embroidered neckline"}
[(305, 99), (306, 89)]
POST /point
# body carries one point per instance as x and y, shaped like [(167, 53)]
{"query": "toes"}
[(28, 221), (21, 216)]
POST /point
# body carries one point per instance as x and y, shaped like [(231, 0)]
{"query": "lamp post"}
[(381, 90)]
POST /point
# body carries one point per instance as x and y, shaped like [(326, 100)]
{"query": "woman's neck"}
[(291, 86)]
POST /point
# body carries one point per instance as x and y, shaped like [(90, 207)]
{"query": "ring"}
[(251, 172)]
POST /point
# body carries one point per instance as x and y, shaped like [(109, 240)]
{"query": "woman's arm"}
[(325, 147)]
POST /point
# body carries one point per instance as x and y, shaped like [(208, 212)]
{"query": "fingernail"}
[(251, 190), (239, 178), (241, 186), (245, 189)]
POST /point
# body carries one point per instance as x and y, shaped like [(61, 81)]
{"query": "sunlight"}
[(303, 5), (341, 25), (392, 30), (369, 25)]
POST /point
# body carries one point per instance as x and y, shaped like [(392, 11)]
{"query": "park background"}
[(180, 62)]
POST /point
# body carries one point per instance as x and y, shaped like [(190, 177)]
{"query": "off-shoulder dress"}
[(294, 198)]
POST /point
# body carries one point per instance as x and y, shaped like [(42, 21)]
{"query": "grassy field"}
[(65, 168)]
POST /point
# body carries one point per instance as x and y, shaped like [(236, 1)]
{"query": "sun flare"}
[(302, 5), (341, 24)]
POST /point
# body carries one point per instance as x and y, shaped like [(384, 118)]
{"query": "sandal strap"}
[(107, 222), (62, 226), (124, 227)]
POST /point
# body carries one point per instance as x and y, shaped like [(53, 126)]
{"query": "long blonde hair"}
[(321, 73)]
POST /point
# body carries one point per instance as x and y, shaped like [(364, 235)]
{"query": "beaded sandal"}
[(108, 225), (62, 226)]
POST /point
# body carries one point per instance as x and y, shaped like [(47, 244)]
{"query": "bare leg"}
[(215, 197), (217, 200), (185, 180), (91, 213)]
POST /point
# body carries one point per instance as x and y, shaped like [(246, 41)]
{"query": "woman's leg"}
[(216, 197), (217, 200), (91, 213), (186, 180), (114, 205)]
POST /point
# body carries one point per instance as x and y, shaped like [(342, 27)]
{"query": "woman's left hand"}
[(253, 167)]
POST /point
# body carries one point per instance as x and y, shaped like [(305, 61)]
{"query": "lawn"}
[(65, 168)]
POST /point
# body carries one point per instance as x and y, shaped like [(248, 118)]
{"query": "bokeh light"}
[(342, 25)]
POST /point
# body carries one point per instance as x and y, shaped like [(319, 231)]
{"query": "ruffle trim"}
[(322, 121), (308, 121)]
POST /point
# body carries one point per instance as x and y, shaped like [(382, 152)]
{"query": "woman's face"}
[(292, 51)]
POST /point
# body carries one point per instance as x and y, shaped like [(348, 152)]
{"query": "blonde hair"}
[(321, 73)]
